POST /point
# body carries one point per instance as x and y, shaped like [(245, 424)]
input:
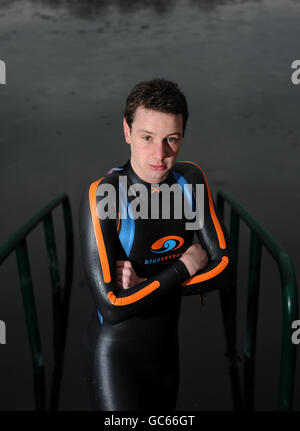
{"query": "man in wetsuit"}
[(139, 263)]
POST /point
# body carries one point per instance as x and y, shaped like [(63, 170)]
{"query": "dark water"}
[(70, 66)]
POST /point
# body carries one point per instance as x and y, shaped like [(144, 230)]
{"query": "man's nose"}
[(160, 151)]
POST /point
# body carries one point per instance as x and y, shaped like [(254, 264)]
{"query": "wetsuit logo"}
[(167, 243)]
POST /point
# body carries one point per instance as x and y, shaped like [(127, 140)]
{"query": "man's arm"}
[(99, 245), (214, 238)]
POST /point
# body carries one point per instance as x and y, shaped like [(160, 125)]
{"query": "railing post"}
[(228, 307), (32, 324), (56, 297), (52, 254), (251, 322), (228, 296), (69, 240), (288, 349), (64, 305)]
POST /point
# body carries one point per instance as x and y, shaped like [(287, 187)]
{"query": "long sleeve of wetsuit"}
[(99, 245), (214, 239)]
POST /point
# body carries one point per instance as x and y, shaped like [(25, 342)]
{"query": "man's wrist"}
[(182, 270), (186, 263)]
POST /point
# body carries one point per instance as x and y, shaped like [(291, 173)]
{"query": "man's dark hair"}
[(158, 94)]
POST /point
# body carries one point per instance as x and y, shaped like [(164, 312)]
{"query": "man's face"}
[(155, 139)]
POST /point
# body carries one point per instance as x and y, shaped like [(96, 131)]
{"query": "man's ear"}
[(126, 130)]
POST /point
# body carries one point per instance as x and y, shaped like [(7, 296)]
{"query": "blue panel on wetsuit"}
[(114, 169), (126, 233), (100, 317), (185, 190)]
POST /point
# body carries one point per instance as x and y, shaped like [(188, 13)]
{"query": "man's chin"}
[(159, 177)]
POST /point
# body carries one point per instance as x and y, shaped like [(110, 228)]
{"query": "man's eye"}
[(172, 140), (147, 138)]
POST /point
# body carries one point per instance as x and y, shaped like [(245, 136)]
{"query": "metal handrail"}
[(260, 237), (17, 242)]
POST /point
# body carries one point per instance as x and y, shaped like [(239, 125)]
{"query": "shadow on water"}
[(88, 9)]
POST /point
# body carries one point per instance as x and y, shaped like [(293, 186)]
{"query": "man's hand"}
[(125, 275), (194, 258)]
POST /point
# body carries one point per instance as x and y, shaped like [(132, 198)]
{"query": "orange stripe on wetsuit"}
[(214, 217), (210, 274), (118, 227), (222, 243), (103, 255), (135, 296), (98, 232)]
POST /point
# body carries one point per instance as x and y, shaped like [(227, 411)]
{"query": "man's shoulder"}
[(188, 169), (109, 177)]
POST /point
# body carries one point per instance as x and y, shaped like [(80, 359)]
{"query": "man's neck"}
[(147, 180)]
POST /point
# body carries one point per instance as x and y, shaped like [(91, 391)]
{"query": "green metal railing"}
[(17, 242), (260, 237)]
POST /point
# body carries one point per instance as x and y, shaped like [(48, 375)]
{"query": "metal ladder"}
[(259, 237), (17, 243)]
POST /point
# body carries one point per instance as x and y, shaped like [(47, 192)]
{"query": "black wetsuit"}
[(131, 345)]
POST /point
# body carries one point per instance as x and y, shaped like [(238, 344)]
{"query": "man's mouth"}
[(158, 167)]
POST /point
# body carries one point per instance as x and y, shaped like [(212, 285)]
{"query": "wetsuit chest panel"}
[(157, 243), (151, 244)]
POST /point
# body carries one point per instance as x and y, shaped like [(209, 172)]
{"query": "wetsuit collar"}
[(136, 179)]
